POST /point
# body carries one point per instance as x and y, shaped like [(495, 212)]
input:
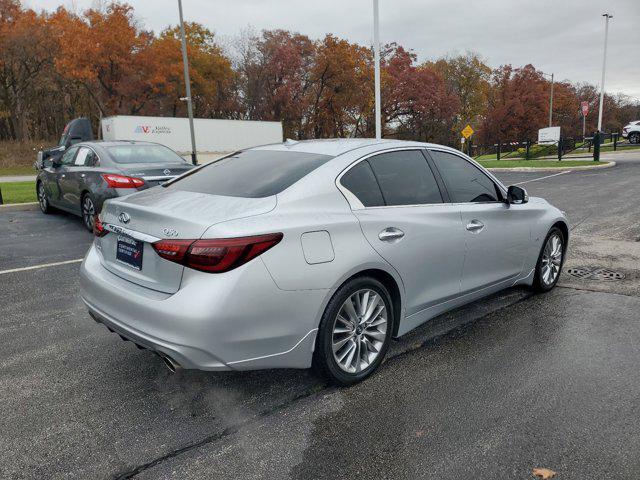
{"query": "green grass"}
[(18, 192), (488, 156), (620, 149), (536, 163), (17, 171)]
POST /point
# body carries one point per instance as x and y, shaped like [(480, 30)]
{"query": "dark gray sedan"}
[(91, 172)]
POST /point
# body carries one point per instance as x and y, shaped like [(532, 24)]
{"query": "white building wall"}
[(212, 135)]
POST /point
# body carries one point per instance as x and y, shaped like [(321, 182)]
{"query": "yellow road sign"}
[(467, 131)]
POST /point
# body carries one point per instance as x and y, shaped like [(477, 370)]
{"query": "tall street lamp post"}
[(550, 99), (376, 67), (604, 65), (187, 82)]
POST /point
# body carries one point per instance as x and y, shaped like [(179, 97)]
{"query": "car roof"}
[(338, 146)]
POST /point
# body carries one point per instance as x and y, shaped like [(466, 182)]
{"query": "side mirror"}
[(517, 195), (56, 162)]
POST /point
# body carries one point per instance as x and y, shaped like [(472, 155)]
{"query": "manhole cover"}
[(595, 273)]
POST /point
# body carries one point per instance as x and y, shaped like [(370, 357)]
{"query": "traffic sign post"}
[(584, 106), (466, 133)]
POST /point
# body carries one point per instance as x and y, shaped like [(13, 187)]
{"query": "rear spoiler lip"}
[(160, 178)]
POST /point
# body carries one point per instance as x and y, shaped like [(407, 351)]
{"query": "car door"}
[(59, 196), (403, 217), (73, 182), (497, 235)]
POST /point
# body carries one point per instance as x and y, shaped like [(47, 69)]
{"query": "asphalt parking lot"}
[(494, 390)]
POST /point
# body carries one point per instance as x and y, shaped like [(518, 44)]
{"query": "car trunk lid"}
[(137, 220), (154, 174)]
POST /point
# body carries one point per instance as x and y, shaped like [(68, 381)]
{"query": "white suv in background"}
[(632, 131)]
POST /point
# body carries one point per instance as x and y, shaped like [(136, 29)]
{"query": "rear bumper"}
[(239, 320), (186, 357)]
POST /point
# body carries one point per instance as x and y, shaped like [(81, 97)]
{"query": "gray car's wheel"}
[(88, 211), (354, 332), (550, 261), (43, 200), (634, 137)]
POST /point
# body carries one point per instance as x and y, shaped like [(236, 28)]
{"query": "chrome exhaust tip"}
[(169, 362)]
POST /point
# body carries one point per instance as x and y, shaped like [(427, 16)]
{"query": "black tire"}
[(88, 211), (324, 362), (43, 199), (539, 282), (634, 137)]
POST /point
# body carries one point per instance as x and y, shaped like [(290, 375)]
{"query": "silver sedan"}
[(312, 254)]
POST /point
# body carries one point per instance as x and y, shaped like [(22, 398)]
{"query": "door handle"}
[(62, 176), (390, 234), (475, 226), (82, 175)]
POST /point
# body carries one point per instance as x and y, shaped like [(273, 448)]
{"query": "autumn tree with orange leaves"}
[(213, 81), (110, 57), (61, 65)]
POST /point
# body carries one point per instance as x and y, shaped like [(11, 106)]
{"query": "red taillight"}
[(98, 228), (216, 255), (120, 181), (173, 250)]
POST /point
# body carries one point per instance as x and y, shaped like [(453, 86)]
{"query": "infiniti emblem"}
[(124, 217), (166, 171)]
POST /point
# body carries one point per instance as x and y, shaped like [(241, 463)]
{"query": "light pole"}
[(550, 100), (376, 67), (604, 65), (187, 82)]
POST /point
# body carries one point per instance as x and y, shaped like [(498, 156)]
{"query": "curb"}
[(608, 164), (13, 207)]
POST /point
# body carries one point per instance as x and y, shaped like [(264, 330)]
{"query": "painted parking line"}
[(42, 265), (542, 178)]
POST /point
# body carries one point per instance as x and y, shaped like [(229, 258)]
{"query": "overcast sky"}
[(565, 37)]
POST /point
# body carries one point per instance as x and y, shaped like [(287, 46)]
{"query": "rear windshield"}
[(251, 173), (144, 154)]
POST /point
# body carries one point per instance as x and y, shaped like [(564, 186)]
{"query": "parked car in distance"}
[(88, 173), (312, 253), (631, 131)]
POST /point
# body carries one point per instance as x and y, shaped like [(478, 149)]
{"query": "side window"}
[(92, 159), (405, 178), (362, 183), (464, 181), (82, 156), (67, 158)]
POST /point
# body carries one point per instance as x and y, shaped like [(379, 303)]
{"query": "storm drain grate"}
[(595, 273)]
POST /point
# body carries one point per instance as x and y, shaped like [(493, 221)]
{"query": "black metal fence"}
[(616, 141), (586, 147)]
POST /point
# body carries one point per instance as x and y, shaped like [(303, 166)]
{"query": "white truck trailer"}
[(212, 135)]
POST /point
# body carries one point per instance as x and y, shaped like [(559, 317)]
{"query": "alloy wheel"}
[(88, 212), (552, 259), (359, 331), (42, 198)]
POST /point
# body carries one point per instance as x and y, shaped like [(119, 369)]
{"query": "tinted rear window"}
[(251, 173), (405, 178), (362, 183), (144, 154)]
